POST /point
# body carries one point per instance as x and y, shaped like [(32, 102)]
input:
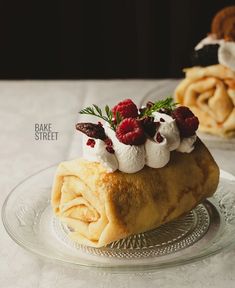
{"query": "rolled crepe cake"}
[(101, 202)]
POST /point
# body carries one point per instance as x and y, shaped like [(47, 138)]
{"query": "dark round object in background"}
[(208, 55)]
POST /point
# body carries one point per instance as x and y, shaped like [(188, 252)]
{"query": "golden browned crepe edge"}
[(142, 180)]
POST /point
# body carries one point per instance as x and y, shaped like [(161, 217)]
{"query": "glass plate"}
[(206, 230), (211, 141)]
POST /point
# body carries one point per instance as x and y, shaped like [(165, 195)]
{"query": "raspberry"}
[(90, 142), (108, 142), (92, 130), (126, 108), (110, 149), (186, 121), (130, 132), (159, 137)]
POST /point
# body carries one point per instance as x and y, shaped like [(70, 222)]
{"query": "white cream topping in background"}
[(226, 51), (187, 144), (226, 54), (168, 129), (209, 40), (131, 158)]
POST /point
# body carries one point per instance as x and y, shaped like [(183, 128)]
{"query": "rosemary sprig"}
[(96, 111), (118, 118), (167, 104)]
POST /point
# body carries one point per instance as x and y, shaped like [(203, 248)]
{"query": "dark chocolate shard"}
[(92, 130), (150, 127), (208, 55)]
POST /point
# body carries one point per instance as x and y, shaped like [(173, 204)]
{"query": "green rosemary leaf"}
[(107, 110), (96, 111), (88, 110), (99, 111), (118, 117), (167, 104)]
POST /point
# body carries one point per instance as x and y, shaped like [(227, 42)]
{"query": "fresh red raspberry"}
[(130, 132), (110, 149), (108, 142), (90, 142), (186, 121), (126, 108), (159, 137)]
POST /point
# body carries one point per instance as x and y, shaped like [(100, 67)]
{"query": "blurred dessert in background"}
[(209, 86)]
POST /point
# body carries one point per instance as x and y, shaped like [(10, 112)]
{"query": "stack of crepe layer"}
[(210, 93)]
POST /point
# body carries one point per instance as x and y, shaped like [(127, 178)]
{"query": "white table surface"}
[(24, 103)]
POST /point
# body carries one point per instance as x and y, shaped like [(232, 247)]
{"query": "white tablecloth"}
[(24, 103)]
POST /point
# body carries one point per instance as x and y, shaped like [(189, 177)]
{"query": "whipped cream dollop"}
[(99, 153), (132, 158), (168, 129), (187, 144), (226, 51), (157, 154)]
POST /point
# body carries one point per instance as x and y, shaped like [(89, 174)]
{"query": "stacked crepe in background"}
[(209, 87), (210, 93), (101, 207)]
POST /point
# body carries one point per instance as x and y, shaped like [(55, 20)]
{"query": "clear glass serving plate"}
[(206, 230)]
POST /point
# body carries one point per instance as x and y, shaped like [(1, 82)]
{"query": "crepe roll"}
[(101, 207)]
